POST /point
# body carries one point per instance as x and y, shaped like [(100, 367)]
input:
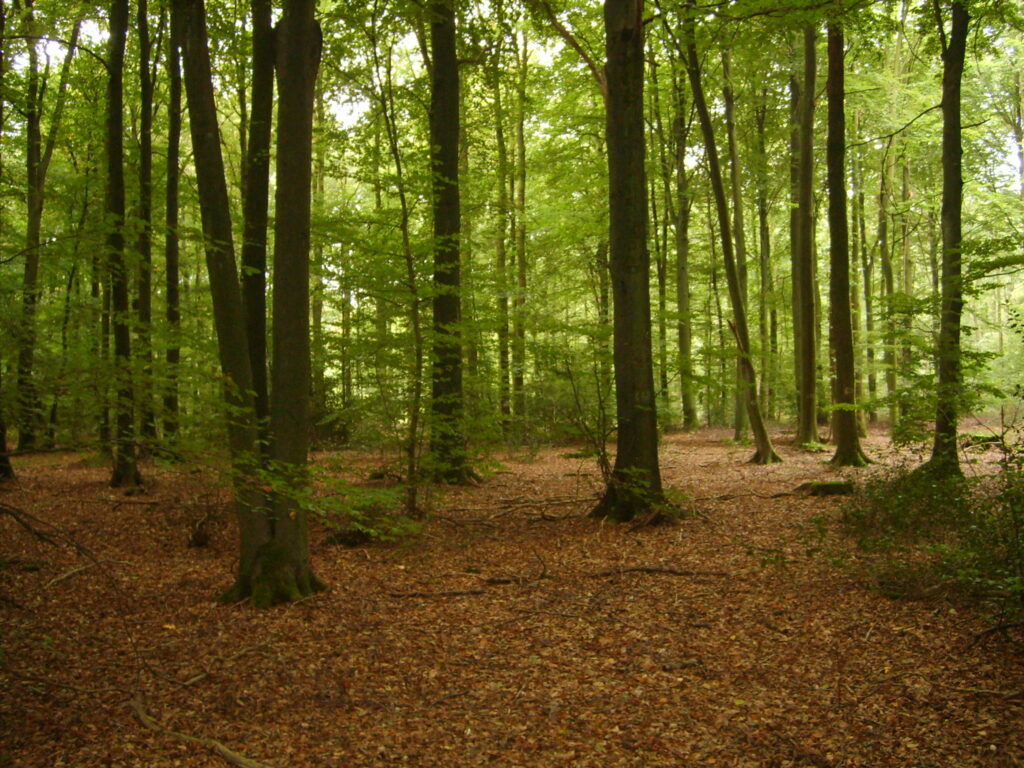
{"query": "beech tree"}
[(635, 484)]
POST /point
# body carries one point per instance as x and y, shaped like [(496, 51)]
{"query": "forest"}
[(511, 383)]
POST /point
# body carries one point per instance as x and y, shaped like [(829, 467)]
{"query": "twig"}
[(654, 569), (25, 520), (453, 593), (68, 574), (232, 757)]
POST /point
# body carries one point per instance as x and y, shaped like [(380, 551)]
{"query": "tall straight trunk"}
[(37, 163), (125, 473), (519, 302), (944, 458), (661, 235), (6, 469), (684, 325), (255, 201), (290, 575), (766, 301), (738, 232), (318, 353), (906, 286), (254, 525), (634, 487), (500, 247), (844, 416), (804, 308), (447, 441), (765, 453), (172, 295), (144, 217), (867, 262), (888, 285)]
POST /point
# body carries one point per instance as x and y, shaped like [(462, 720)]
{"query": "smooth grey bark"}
[(172, 290)]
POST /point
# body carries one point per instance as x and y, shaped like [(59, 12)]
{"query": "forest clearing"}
[(513, 630)]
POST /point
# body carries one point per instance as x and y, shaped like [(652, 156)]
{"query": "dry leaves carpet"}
[(513, 631)]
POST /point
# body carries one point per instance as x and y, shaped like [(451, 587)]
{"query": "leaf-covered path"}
[(513, 632)]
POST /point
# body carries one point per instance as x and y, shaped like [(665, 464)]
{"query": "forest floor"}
[(512, 631)]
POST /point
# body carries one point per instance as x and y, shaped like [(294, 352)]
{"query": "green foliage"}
[(927, 533)]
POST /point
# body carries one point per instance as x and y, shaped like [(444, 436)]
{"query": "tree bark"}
[(285, 573), (844, 416), (519, 302), (6, 469), (172, 297), (447, 441), (255, 202), (765, 452), (684, 325), (634, 487), (228, 315), (804, 308), (144, 217), (945, 458), (125, 473)]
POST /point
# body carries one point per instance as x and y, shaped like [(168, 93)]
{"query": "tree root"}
[(654, 569), (225, 753)]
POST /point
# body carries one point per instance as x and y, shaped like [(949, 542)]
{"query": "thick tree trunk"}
[(844, 417), (804, 308), (228, 315), (944, 458), (765, 453), (126, 473), (172, 311), (447, 441), (255, 202), (285, 573), (634, 487)]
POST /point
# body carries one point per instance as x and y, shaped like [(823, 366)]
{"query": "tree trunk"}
[(844, 416), (766, 312), (6, 470), (739, 235), (255, 202), (285, 573), (944, 458), (765, 453), (228, 315), (804, 308), (519, 302), (684, 325), (447, 442), (144, 217), (172, 312), (500, 241), (634, 487), (126, 473)]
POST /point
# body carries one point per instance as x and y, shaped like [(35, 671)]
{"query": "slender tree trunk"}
[(519, 302), (6, 469), (944, 458), (807, 428), (684, 325), (888, 286), (844, 416), (37, 164), (765, 453), (500, 241), (255, 202), (126, 473), (286, 573), (765, 304), (448, 442), (255, 529), (172, 296), (144, 217), (634, 487), (740, 421)]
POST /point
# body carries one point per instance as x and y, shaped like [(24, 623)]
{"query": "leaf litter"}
[(513, 631)]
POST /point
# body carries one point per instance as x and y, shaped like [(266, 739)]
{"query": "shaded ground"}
[(513, 632)]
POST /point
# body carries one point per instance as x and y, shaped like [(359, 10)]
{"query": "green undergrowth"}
[(920, 536)]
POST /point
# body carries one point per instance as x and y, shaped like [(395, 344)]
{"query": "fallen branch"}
[(229, 755), (68, 574), (453, 593), (25, 520), (654, 569)]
